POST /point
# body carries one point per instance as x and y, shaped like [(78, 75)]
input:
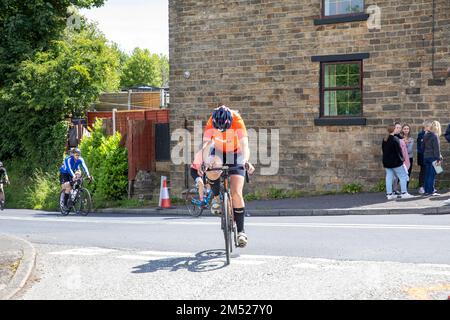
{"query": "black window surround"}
[(338, 120), (340, 18), (341, 57)]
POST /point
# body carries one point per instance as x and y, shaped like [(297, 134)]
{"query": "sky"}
[(134, 23)]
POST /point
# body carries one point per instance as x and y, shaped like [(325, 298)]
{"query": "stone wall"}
[(255, 56)]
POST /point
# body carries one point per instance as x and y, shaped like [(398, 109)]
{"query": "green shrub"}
[(108, 163), (275, 193), (43, 191), (380, 186), (352, 188), (15, 192), (413, 184), (253, 196)]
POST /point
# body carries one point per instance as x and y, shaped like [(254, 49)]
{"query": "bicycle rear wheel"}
[(83, 204), (226, 226), (193, 209)]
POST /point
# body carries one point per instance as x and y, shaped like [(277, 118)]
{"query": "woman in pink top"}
[(405, 155)]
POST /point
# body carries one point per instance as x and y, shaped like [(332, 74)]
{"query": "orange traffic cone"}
[(164, 199)]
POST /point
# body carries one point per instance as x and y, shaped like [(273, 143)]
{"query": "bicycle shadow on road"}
[(204, 261)]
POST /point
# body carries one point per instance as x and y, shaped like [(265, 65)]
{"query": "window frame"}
[(323, 89), (341, 15)]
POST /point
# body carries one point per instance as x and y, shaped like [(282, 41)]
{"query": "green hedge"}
[(108, 162)]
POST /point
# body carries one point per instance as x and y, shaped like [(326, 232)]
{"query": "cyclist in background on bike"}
[(67, 171), (3, 179), (226, 136), (198, 180)]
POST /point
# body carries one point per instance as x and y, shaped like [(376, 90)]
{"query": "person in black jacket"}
[(393, 164), (447, 134), (420, 160), (447, 137), (431, 154)]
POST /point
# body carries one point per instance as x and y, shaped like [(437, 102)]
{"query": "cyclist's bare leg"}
[(201, 188), (237, 186), (67, 188), (2, 195)]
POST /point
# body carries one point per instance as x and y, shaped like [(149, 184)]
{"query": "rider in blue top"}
[(67, 172), (72, 163)]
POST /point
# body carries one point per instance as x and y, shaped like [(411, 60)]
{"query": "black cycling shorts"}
[(65, 177), (231, 159), (194, 175)]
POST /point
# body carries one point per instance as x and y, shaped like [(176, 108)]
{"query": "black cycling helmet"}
[(222, 118), (76, 151)]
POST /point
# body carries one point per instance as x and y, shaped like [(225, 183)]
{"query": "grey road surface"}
[(139, 257)]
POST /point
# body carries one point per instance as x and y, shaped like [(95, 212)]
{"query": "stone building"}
[(329, 74)]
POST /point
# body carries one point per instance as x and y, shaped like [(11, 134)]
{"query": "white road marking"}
[(306, 265), (253, 224), (255, 256), (166, 253), (84, 251), (143, 258), (247, 262)]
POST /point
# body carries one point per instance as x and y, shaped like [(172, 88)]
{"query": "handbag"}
[(437, 167)]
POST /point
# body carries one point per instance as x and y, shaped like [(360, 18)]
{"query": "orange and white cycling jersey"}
[(227, 141)]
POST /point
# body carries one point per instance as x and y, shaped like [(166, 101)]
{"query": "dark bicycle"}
[(228, 224), (80, 200)]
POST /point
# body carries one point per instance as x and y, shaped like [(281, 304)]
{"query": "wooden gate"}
[(141, 147)]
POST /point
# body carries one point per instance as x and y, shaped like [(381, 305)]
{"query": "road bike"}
[(79, 201), (228, 224)]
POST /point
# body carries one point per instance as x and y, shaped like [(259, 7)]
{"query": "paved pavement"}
[(311, 257), (17, 258), (342, 204)]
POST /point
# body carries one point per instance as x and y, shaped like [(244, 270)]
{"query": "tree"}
[(52, 85), (27, 33), (164, 67), (27, 27), (142, 68)]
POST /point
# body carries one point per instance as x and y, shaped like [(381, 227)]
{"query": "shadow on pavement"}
[(205, 261)]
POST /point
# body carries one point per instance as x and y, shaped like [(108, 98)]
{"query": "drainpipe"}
[(186, 166), (433, 48)]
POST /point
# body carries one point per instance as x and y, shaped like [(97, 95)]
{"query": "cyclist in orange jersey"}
[(225, 136)]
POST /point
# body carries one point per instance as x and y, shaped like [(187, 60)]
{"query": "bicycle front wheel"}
[(83, 205), (226, 226)]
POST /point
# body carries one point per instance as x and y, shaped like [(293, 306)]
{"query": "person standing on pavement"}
[(447, 134), (432, 152), (409, 142), (420, 159), (447, 137), (393, 163), (404, 150)]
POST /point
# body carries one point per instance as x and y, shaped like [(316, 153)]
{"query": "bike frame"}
[(227, 220), (205, 201)]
